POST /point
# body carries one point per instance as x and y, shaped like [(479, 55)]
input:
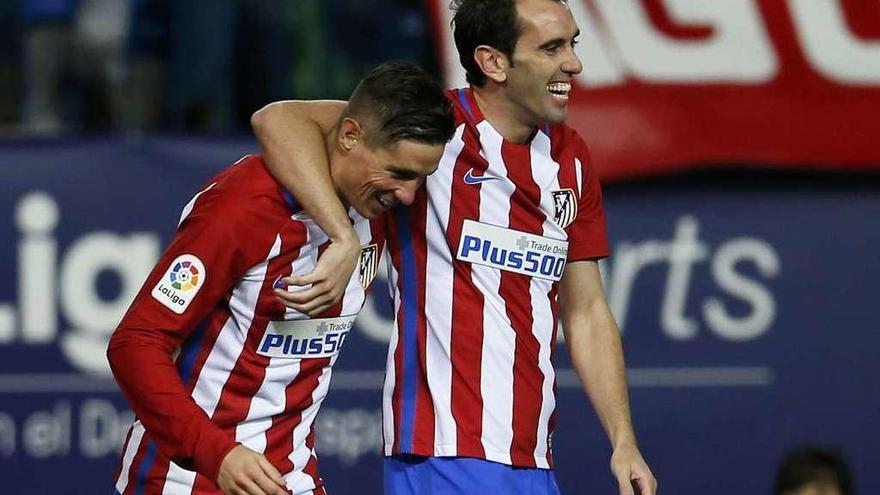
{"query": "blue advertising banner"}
[(748, 317)]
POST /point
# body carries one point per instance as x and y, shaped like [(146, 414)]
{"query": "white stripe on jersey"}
[(390, 368), (545, 172), (438, 314), (230, 342), (499, 342), (269, 401), (192, 203), (299, 457), (178, 481), (578, 172), (134, 442)]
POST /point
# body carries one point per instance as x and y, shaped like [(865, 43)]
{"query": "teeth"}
[(559, 87)]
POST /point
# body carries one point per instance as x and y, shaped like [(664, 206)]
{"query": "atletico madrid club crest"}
[(369, 264), (564, 207)]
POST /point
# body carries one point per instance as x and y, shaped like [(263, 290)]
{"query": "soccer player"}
[(226, 381), (500, 245)]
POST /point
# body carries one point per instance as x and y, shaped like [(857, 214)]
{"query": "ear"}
[(351, 132), (492, 62)]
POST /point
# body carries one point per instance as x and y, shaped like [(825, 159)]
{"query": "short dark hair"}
[(483, 22), (400, 100), (812, 464)]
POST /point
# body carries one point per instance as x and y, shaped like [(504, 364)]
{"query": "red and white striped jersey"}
[(246, 369), (469, 369)]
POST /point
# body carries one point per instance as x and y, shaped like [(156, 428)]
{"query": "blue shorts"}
[(415, 475)]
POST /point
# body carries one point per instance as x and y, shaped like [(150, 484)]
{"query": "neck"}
[(502, 114)]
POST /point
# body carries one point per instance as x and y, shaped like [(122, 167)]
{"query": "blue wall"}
[(748, 315)]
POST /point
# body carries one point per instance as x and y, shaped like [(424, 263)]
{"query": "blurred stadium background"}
[(738, 144)]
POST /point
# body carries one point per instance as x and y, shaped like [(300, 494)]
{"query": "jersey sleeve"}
[(215, 244), (587, 236)]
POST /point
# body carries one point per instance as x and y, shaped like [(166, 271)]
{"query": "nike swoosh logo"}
[(470, 178)]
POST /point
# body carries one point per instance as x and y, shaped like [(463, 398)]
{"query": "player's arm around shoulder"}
[(292, 135), (593, 340)]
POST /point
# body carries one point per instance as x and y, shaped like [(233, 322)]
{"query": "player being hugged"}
[(225, 381)]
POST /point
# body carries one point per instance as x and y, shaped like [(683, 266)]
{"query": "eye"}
[(404, 175)]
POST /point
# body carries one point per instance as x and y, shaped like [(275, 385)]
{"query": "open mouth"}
[(559, 90)]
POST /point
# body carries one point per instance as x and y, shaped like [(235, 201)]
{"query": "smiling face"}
[(539, 79), (374, 179)]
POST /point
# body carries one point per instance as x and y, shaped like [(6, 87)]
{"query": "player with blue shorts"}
[(498, 247)]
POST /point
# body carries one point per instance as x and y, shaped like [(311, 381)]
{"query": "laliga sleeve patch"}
[(180, 284)]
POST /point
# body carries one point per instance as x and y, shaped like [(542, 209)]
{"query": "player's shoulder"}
[(566, 136), (242, 190), (461, 106), (248, 177)]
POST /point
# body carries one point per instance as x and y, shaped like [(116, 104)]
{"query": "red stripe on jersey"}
[(423, 429), (586, 234), (397, 392), (203, 486), (311, 467), (156, 475), (298, 395), (565, 158), (515, 288), (466, 338), (244, 381), (551, 422), (423, 422), (216, 321), (249, 371)]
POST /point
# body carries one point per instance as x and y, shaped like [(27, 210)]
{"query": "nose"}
[(406, 193), (572, 64)]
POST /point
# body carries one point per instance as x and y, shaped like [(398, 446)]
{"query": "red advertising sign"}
[(675, 84)]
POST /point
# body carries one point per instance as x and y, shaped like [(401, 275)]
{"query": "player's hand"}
[(328, 280), (632, 473), (245, 472)]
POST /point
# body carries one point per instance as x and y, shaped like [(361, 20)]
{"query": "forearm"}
[(597, 355), (593, 340), (292, 137), (142, 365)]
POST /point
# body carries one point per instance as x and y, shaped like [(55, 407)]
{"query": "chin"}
[(368, 210), (367, 213), (557, 116)]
